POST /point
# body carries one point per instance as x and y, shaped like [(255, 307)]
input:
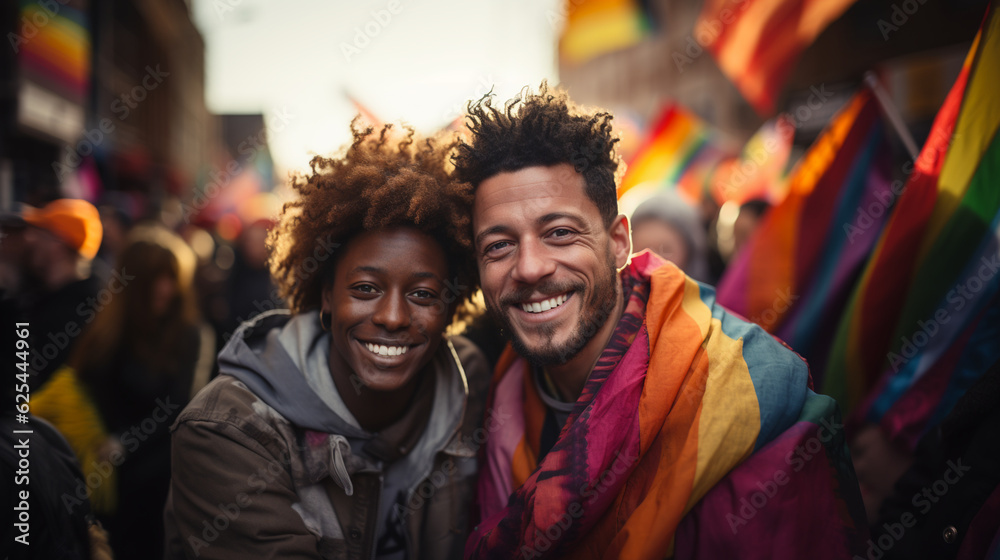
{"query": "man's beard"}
[(594, 313)]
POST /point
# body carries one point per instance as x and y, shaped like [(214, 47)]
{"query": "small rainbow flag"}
[(923, 322), (679, 142), (757, 42), (54, 47), (595, 27), (759, 170)]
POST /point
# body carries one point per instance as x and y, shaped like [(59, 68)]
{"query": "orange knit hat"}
[(74, 221)]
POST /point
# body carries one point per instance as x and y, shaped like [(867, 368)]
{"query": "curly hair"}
[(379, 182), (542, 129)]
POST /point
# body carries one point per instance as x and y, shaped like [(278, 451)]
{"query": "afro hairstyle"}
[(381, 181)]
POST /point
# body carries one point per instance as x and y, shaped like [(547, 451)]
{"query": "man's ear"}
[(621, 240)]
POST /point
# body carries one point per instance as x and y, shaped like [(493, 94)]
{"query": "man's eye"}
[(366, 289)]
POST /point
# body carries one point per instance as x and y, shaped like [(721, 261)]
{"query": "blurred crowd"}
[(125, 319)]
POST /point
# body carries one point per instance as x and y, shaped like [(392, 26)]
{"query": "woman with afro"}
[(348, 426)]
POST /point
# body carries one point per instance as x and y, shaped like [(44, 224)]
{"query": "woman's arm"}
[(230, 498)]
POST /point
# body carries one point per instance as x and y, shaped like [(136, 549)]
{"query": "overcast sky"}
[(301, 58)]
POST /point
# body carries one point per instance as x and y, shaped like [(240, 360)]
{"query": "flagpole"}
[(892, 113)]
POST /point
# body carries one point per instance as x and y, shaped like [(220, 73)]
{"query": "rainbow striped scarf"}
[(683, 394)]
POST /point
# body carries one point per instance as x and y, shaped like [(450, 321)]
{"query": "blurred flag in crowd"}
[(366, 116), (678, 142), (54, 46), (800, 266), (594, 27), (923, 322), (757, 42), (759, 171)]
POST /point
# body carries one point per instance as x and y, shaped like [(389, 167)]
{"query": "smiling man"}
[(648, 421)]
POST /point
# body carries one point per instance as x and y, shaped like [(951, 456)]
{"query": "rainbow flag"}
[(595, 27), (757, 42), (53, 46), (922, 323), (758, 172), (679, 142), (797, 271)]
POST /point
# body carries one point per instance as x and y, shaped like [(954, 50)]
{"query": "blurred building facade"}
[(916, 47), (101, 96)]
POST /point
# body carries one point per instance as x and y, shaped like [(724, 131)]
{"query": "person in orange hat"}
[(62, 296), (65, 238)]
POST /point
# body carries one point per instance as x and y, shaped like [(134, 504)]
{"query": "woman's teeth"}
[(383, 350), (539, 306)]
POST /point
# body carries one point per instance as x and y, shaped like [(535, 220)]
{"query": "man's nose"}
[(533, 263)]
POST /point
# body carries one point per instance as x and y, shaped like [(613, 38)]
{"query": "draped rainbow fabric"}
[(796, 273), (923, 322), (686, 438), (594, 27), (757, 42), (678, 143)]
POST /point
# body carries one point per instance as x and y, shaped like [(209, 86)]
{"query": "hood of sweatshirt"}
[(256, 356), (284, 360)]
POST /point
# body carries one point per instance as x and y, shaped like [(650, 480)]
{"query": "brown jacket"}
[(263, 469)]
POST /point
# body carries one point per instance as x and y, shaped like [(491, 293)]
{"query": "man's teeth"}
[(539, 306), (383, 350)]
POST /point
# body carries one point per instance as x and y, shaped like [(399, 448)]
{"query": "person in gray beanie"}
[(670, 227)]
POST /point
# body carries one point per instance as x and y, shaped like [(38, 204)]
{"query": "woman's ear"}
[(326, 299)]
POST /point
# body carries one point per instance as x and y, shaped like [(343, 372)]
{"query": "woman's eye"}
[(496, 247), (423, 294), (366, 289)]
